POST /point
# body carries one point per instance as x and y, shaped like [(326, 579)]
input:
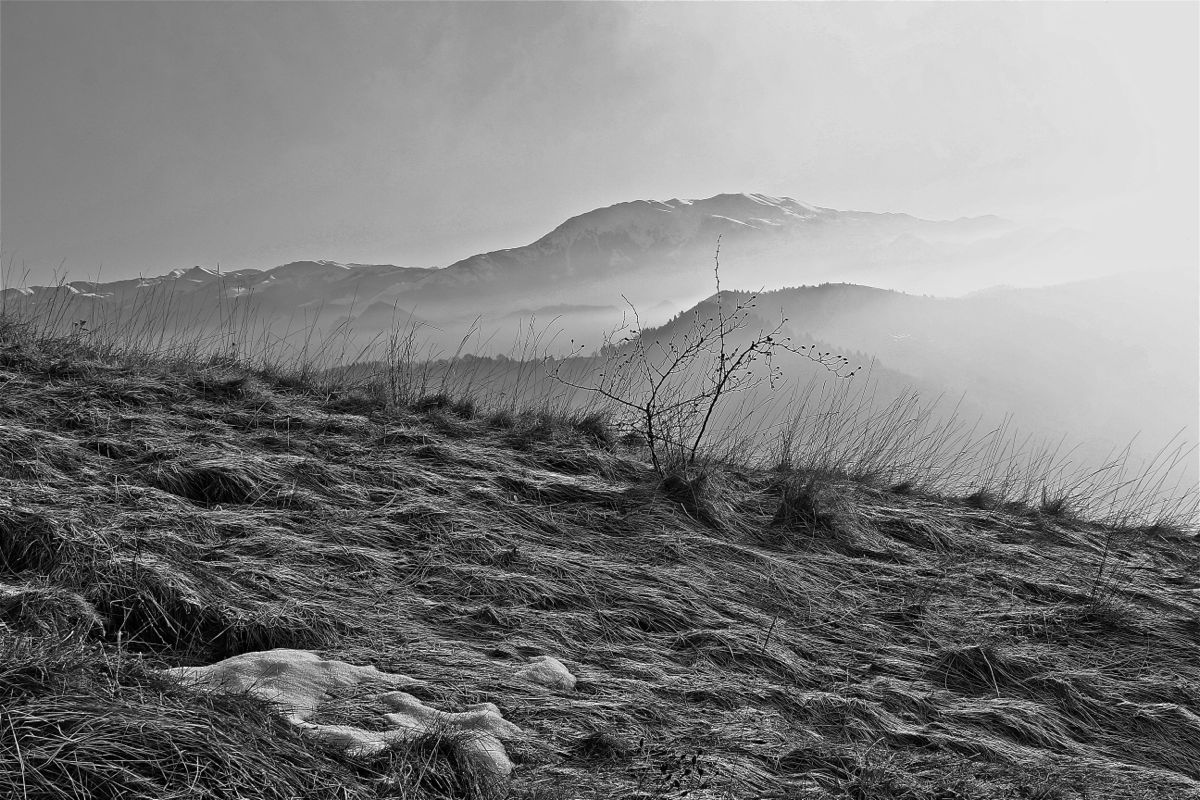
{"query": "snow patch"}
[(731, 219), (482, 723), (299, 681), (547, 671)]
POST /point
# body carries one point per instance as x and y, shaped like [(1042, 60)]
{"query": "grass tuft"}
[(807, 504), (696, 493), (210, 481), (28, 541), (48, 611)]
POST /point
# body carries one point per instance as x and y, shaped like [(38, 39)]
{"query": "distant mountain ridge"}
[(766, 238), (579, 276), (654, 253)]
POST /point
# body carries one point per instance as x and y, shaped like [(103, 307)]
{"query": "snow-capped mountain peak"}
[(650, 222)]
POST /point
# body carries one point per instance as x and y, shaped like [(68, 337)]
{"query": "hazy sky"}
[(144, 136)]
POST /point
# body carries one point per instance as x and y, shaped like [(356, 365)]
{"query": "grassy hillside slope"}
[(735, 634)]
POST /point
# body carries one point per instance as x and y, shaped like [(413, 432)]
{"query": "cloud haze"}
[(139, 137)]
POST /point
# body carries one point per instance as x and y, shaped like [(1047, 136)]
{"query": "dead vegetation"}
[(736, 633)]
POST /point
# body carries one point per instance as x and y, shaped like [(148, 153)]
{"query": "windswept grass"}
[(910, 444), (745, 631)]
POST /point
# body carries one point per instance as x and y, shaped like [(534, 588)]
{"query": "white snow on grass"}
[(299, 681)]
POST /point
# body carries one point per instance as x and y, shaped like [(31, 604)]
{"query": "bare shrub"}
[(672, 389)]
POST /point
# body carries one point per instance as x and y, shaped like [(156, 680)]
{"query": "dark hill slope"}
[(806, 639)]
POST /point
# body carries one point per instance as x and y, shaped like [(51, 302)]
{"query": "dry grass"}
[(736, 633)]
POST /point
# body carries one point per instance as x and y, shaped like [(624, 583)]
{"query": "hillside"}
[(1124, 342), (733, 632)]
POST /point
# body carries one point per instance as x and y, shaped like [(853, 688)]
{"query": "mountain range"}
[(1112, 356), (657, 255)]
